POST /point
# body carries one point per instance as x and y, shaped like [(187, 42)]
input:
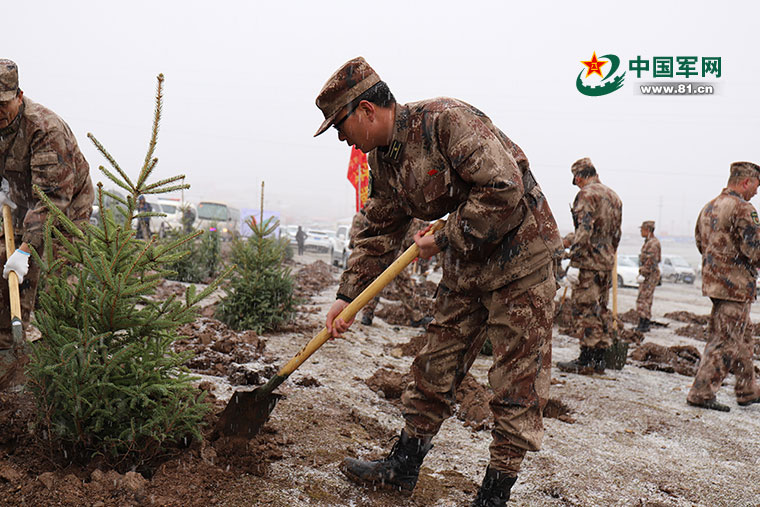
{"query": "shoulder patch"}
[(755, 220)]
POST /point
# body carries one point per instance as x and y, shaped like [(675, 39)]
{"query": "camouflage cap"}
[(8, 79), (647, 224), (580, 165), (745, 170), (346, 84)]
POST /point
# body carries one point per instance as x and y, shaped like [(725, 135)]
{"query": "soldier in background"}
[(143, 223), (597, 215), (728, 237), (428, 159), (649, 268), (36, 148)]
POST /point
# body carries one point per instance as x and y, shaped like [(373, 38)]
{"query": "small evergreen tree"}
[(202, 262), (104, 375), (260, 295)]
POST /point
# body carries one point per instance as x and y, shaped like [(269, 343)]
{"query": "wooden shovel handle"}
[(10, 247), (357, 304)]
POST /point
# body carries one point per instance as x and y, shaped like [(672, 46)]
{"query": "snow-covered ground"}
[(634, 440)]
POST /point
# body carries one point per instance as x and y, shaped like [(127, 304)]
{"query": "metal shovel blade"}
[(246, 413)]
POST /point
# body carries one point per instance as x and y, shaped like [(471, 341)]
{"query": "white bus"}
[(217, 216)]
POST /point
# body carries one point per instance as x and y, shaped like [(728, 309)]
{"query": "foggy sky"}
[(241, 79)]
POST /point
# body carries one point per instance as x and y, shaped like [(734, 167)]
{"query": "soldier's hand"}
[(5, 192), (18, 263), (427, 245), (334, 325)]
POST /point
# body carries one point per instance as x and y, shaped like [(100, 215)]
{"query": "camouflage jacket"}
[(445, 156), (597, 214), (649, 258), (38, 148), (728, 237)]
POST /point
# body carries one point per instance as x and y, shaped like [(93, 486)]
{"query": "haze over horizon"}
[(241, 79)]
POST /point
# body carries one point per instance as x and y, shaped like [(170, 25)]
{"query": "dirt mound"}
[(630, 317), (169, 288), (314, 278), (631, 335), (556, 409), (682, 359), (219, 350), (394, 314), (695, 331), (187, 476), (388, 384), (689, 317), (413, 346)]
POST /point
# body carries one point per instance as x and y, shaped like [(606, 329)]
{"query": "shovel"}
[(17, 327), (247, 411)]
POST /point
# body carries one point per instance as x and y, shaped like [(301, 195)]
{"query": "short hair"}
[(587, 172), (740, 174), (378, 94)]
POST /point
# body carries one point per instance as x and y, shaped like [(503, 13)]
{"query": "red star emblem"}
[(594, 66)]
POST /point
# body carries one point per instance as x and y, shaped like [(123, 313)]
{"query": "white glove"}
[(5, 192), (19, 263)]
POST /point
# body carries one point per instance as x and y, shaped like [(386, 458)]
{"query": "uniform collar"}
[(393, 153), (729, 191)]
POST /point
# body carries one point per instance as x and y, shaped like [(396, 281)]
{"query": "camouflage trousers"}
[(518, 320), (593, 318), (27, 292), (646, 295), (728, 350)]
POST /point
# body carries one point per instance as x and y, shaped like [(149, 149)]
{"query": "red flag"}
[(358, 175)]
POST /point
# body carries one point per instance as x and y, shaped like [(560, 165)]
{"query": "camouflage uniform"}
[(649, 268), (38, 148), (597, 215), (728, 237), (498, 244)]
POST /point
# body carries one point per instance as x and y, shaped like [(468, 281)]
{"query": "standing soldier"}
[(428, 159), (143, 223), (36, 148), (597, 214), (728, 237), (649, 268)]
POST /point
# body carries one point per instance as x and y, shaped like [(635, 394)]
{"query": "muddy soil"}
[(623, 438)]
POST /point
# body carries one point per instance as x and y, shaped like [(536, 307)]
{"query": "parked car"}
[(339, 251), (289, 232), (627, 271), (318, 240), (678, 269)]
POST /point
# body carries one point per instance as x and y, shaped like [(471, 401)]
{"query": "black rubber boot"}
[(644, 325), (398, 471), (495, 490), (584, 363), (710, 404), (600, 360)]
